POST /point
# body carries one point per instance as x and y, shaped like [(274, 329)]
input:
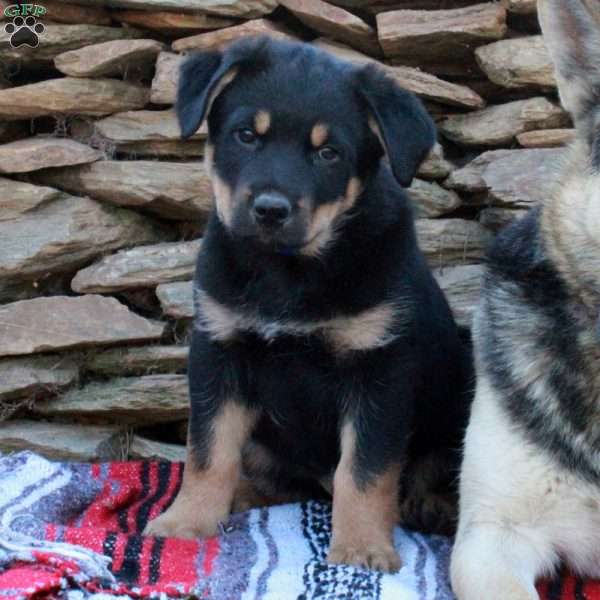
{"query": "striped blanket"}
[(71, 531)]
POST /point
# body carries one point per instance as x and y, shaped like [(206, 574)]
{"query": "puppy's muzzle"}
[(271, 210)]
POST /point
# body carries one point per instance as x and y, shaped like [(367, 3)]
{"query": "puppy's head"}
[(294, 134)]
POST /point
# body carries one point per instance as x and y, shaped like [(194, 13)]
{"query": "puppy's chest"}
[(369, 329)]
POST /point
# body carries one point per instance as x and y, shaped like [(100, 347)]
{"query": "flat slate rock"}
[(335, 22), (142, 447), (435, 166), (522, 7), (61, 233), (58, 12), (518, 63), (31, 377), (217, 40), (18, 198), (39, 152), (546, 138), (448, 242), (173, 190), (135, 128), (177, 299), (424, 85), (418, 36), (512, 178), (141, 133), (60, 322), (67, 95), (144, 266), (241, 9), (138, 360), (108, 58), (171, 23), (62, 38), (432, 200), (62, 442), (163, 149), (166, 77), (135, 400), (500, 124), (430, 87), (462, 285), (377, 6)]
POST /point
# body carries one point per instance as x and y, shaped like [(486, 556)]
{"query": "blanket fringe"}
[(17, 546)]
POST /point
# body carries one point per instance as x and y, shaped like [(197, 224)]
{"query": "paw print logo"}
[(24, 31)]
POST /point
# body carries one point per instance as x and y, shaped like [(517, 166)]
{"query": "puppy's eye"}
[(328, 154), (246, 136)]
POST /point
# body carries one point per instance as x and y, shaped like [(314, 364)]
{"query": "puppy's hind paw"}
[(378, 558)]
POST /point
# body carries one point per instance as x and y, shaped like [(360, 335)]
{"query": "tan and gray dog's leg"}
[(207, 491), (364, 513)]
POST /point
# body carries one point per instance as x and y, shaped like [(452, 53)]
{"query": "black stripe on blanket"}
[(157, 547), (130, 569), (579, 591), (164, 472), (555, 589)]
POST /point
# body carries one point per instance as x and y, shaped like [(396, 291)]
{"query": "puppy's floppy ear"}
[(204, 75), (407, 131), (571, 31)]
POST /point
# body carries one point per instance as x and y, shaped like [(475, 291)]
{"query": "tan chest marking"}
[(373, 328), (370, 329)]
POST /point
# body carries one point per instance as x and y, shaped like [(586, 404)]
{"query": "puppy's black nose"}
[(271, 209)]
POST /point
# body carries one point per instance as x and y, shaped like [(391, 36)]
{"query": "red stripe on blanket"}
[(590, 591), (118, 555), (90, 537), (178, 560), (212, 549), (568, 589), (28, 581)]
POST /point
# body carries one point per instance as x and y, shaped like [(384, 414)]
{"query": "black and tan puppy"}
[(530, 484), (323, 351)]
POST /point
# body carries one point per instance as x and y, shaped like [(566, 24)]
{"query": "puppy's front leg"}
[(220, 425), (364, 510)]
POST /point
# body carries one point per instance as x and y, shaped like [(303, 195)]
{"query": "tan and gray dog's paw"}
[(380, 558), (174, 523)]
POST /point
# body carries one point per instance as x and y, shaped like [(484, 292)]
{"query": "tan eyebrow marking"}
[(262, 122), (319, 134)]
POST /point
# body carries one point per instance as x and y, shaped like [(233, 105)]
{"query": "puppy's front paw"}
[(177, 525), (379, 558)]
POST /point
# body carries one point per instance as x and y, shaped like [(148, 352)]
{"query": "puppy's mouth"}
[(278, 242), (293, 249), (282, 246)]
